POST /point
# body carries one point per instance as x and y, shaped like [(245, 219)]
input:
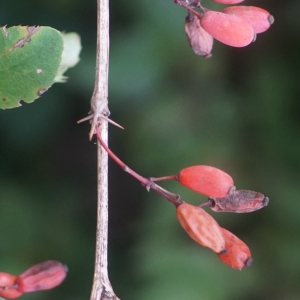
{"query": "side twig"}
[(148, 183)]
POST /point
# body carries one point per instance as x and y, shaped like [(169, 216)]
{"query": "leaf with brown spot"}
[(23, 51)]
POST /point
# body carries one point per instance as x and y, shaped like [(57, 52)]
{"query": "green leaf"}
[(29, 61)]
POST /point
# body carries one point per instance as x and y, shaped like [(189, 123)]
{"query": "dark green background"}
[(238, 111)]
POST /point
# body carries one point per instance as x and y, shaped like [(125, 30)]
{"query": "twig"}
[(102, 289), (148, 183)]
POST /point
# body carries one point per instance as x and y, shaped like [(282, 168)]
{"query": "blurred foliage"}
[(238, 111)]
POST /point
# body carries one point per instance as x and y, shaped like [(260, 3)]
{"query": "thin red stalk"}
[(170, 177), (197, 14), (141, 179), (175, 199), (206, 203)]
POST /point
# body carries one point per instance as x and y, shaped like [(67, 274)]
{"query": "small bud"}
[(228, 29), (43, 276), (200, 41), (201, 226), (7, 286), (258, 18), (206, 180), (239, 201), (237, 254)]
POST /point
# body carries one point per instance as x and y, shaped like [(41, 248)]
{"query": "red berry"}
[(239, 201), (200, 41), (43, 276), (258, 18), (237, 254), (228, 29), (7, 288), (228, 1), (206, 180), (201, 226)]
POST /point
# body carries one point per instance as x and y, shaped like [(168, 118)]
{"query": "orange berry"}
[(237, 254), (206, 180), (228, 29), (43, 276), (258, 18), (201, 226), (7, 286)]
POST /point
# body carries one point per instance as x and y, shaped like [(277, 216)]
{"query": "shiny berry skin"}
[(200, 41), (206, 180), (237, 254), (43, 276), (258, 18), (7, 288), (228, 1), (201, 226), (239, 201), (228, 29)]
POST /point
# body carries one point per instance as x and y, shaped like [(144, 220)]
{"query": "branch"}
[(102, 289)]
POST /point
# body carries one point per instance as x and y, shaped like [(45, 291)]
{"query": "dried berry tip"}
[(271, 19), (248, 262), (266, 201), (225, 251)]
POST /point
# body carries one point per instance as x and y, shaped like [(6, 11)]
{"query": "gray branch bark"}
[(102, 289)]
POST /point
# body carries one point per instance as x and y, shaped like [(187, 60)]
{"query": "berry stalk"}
[(148, 183), (181, 3)]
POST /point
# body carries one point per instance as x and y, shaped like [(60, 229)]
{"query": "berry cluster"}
[(223, 197), (203, 228), (44, 276), (234, 26)]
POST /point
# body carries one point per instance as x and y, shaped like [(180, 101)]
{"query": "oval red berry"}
[(228, 29), (258, 18), (206, 180), (237, 254), (7, 283), (43, 276), (201, 226)]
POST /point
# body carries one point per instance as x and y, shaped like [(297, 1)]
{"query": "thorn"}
[(85, 119), (94, 122), (111, 121)]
